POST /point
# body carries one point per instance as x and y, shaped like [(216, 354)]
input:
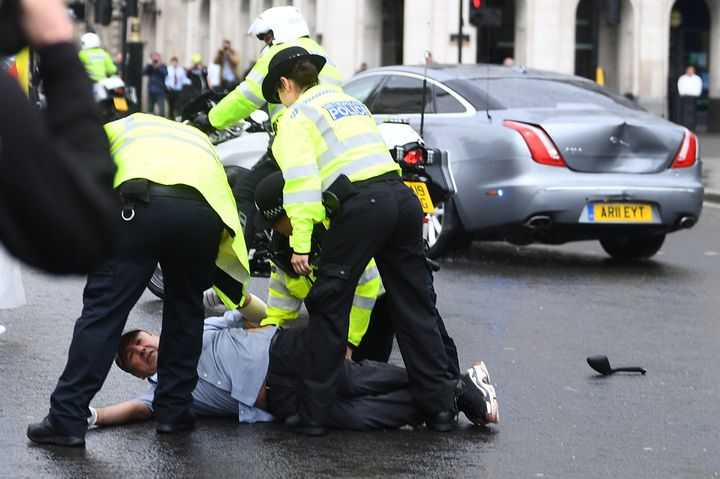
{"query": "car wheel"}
[(156, 284), (633, 247), (442, 230)]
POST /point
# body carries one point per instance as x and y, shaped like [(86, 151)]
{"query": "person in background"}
[(689, 88), (58, 209), (197, 75), (97, 62), (175, 82), (157, 72), (118, 61), (228, 60), (508, 62), (363, 67)]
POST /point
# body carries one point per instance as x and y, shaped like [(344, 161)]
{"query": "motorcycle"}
[(115, 98)]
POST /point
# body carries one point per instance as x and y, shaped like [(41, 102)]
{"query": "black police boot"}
[(45, 433), (442, 421), (185, 423), (306, 427)]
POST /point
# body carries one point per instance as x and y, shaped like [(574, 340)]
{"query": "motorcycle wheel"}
[(443, 231), (156, 285)]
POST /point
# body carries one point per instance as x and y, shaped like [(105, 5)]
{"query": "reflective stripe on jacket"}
[(286, 294), (97, 63), (247, 97), (170, 153), (325, 134)]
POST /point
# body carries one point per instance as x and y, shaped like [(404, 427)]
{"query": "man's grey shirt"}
[(232, 368)]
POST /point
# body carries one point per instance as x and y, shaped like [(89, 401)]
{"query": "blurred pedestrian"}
[(118, 61), (58, 209), (197, 74), (228, 60), (690, 88), (508, 62), (175, 82), (157, 72), (362, 68)]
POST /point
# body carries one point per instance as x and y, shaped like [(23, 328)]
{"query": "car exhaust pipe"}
[(539, 222), (687, 222)]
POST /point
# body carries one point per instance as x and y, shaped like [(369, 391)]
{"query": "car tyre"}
[(443, 231), (156, 285), (633, 247)]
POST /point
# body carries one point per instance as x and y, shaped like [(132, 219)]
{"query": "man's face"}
[(226, 45), (690, 70), (140, 356)]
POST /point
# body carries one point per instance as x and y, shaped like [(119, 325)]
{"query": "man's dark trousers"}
[(182, 234), (383, 219), (370, 395)]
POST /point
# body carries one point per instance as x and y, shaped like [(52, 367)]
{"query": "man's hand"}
[(348, 352), (301, 264), (46, 22)]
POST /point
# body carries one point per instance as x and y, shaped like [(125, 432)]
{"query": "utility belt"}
[(342, 189), (140, 190)]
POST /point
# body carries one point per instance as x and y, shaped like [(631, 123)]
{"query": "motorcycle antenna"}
[(424, 87)]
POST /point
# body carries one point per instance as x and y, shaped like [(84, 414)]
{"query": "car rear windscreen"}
[(511, 93)]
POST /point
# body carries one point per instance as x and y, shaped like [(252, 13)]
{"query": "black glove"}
[(202, 122)]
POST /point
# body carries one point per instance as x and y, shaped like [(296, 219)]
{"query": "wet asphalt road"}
[(532, 313)]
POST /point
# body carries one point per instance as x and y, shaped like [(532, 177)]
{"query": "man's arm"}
[(123, 413), (57, 205)]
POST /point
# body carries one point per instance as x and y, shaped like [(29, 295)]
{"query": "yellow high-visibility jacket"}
[(170, 153), (97, 63), (247, 97), (324, 134), (286, 294)]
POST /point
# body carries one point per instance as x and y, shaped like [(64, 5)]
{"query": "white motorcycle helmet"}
[(89, 40), (286, 23)]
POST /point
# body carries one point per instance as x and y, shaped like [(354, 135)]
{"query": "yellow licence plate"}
[(120, 103), (423, 195), (619, 213)]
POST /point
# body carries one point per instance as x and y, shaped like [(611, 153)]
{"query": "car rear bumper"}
[(563, 196)]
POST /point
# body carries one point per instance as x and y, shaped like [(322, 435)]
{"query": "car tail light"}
[(687, 154), (414, 157), (542, 148)]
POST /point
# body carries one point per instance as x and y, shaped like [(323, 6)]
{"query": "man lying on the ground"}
[(252, 374)]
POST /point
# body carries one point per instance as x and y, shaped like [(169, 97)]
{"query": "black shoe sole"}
[(63, 441)]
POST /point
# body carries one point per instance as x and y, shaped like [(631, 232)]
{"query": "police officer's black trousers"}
[(182, 234), (382, 220), (370, 395)]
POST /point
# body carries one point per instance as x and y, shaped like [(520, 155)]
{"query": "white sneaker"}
[(476, 396)]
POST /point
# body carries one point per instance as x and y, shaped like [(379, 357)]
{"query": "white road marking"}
[(2, 329), (711, 253)]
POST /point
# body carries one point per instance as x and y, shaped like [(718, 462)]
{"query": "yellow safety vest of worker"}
[(170, 153), (248, 96), (286, 294), (325, 134), (97, 63)]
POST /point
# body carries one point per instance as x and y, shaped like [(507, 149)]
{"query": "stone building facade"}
[(641, 46)]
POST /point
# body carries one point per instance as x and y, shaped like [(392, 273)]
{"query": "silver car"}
[(543, 157)]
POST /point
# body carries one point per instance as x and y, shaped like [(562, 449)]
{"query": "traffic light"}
[(486, 16), (103, 12), (475, 12)]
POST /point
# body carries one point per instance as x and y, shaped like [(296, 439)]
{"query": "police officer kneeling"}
[(329, 142), (178, 210)]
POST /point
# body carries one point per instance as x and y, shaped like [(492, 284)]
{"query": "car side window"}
[(402, 95), (361, 88), (446, 103)]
